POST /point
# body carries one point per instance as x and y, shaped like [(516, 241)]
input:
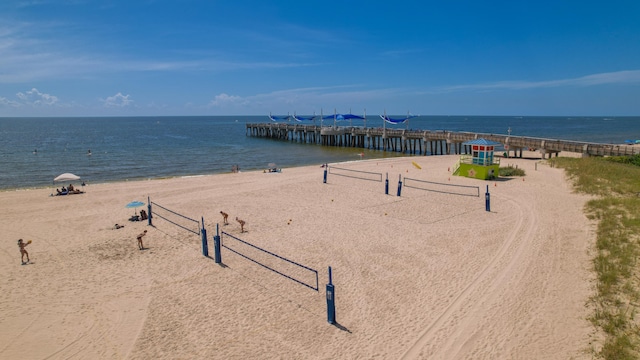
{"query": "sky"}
[(243, 57)]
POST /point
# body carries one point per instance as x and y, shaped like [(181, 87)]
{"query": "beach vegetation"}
[(633, 160), (511, 171), (615, 208)]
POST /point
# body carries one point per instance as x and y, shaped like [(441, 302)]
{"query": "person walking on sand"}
[(241, 222), (225, 217), (140, 245), (23, 251)]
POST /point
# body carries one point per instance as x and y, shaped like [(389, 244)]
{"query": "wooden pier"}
[(426, 142)]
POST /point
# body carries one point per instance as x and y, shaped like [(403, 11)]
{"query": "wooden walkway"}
[(426, 142)]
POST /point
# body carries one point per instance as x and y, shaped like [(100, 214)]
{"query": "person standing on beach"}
[(140, 245), (241, 222), (225, 217), (23, 251)]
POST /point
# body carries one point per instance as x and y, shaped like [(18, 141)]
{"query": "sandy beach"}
[(424, 275)]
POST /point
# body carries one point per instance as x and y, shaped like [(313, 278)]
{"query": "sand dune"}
[(427, 275)]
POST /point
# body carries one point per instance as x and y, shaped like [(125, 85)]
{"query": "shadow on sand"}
[(336, 324)]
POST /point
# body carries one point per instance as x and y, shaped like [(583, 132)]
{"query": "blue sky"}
[(192, 57)]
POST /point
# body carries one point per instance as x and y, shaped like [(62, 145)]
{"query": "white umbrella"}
[(66, 177)]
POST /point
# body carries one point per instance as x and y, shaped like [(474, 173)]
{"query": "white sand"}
[(426, 275)]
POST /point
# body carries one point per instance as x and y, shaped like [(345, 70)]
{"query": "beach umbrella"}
[(66, 177), (134, 204)]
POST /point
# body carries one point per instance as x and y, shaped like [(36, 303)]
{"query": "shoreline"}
[(530, 155), (422, 275)]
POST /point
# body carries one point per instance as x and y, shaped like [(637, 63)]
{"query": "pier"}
[(427, 142)]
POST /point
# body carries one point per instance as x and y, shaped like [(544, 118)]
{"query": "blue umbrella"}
[(135, 204)]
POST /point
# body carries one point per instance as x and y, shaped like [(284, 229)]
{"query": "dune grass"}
[(511, 171), (615, 183)]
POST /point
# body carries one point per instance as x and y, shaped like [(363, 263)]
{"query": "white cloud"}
[(36, 51), (4, 102), (401, 53), (224, 100), (117, 100), (342, 98), (618, 77), (330, 95), (34, 97)]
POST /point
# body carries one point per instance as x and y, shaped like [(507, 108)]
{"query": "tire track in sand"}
[(497, 268)]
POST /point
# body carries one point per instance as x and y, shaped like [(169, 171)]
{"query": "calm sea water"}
[(33, 151)]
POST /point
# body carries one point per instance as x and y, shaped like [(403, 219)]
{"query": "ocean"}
[(33, 151)]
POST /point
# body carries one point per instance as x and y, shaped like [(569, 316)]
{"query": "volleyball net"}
[(175, 218), (280, 265), (357, 174), (453, 189)]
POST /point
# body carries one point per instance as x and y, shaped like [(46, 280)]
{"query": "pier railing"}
[(427, 141)]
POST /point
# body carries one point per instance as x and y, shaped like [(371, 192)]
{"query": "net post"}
[(331, 304), (487, 200), (149, 211), (324, 179), (205, 245), (386, 185), (216, 245), (399, 184)]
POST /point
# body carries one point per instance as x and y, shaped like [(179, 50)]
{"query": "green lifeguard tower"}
[(481, 164)]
